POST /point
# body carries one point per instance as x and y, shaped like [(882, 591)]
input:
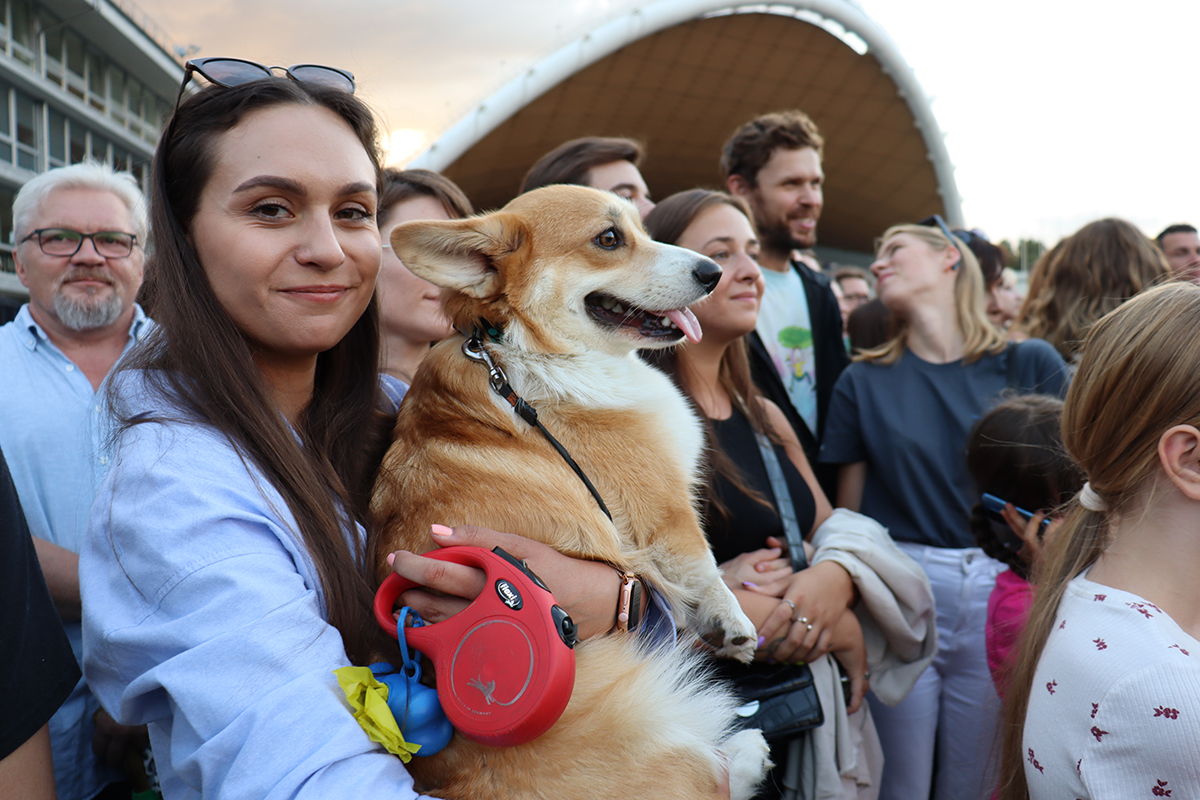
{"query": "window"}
[(28, 138), (24, 36), (97, 95), (6, 219), (116, 92), (53, 35), (75, 63), (78, 142), (99, 148), (121, 159), (56, 137), (6, 141)]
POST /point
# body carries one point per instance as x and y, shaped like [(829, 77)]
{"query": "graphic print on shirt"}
[(786, 332), (1169, 713), (1161, 789), (796, 349)]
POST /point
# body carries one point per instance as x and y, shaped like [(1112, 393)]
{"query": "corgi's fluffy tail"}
[(687, 747)]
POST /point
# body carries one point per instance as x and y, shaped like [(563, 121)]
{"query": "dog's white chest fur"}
[(605, 381)]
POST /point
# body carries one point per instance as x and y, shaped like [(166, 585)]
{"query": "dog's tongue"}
[(687, 322)]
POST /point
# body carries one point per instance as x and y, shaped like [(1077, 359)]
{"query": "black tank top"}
[(750, 522)]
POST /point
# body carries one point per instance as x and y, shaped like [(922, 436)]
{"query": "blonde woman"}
[(898, 427), (1105, 698)]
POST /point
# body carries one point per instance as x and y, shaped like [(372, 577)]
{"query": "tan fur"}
[(638, 719)]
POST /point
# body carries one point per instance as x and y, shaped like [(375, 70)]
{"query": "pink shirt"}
[(1008, 608)]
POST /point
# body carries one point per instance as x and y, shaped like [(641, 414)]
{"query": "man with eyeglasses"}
[(79, 232)]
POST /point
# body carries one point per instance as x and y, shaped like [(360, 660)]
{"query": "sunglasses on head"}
[(227, 72), (936, 220)]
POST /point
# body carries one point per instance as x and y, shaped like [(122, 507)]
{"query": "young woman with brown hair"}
[(410, 309), (800, 615), (1105, 697), (898, 427), (1085, 276)]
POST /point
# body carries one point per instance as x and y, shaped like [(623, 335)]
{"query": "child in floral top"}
[(1104, 699)]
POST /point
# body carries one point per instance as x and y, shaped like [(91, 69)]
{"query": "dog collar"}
[(473, 349)]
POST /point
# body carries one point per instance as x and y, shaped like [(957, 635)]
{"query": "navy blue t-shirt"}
[(909, 421)]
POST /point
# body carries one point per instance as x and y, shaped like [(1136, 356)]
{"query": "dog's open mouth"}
[(673, 324)]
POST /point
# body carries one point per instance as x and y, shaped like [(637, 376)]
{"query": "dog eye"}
[(609, 239)]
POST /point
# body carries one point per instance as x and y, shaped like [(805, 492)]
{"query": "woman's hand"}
[(851, 652), (802, 627), (588, 590), (764, 571)]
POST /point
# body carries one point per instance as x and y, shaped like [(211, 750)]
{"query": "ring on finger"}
[(790, 603), (809, 626), (801, 620)]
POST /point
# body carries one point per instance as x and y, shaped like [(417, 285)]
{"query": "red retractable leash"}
[(505, 665)]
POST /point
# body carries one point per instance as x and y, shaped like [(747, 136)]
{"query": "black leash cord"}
[(473, 349)]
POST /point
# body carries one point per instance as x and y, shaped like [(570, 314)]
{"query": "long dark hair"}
[(200, 361), (666, 223), (1015, 452)]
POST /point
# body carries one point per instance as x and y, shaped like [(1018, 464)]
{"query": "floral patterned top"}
[(1115, 706)]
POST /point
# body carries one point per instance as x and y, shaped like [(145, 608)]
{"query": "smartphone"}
[(993, 507)]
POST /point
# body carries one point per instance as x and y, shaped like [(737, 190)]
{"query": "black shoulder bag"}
[(778, 699)]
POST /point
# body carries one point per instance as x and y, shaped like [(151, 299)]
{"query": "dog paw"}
[(748, 758), (721, 623), (730, 637)]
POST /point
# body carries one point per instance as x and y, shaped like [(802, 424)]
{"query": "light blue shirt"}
[(51, 433), (204, 618)]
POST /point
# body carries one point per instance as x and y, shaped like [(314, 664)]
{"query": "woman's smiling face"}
[(723, 233), (285, 230)]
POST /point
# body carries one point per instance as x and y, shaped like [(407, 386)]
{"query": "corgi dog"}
[(561, 287)]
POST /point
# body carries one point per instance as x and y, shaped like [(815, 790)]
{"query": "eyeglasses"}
[(227, 72), (937, 220), (66, 242)]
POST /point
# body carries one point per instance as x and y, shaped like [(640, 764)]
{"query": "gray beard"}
[(88, 313)]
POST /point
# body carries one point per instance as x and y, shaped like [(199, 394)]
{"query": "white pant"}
[(952, 712)]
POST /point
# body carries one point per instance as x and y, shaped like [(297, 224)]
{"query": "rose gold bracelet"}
[(628, 611)]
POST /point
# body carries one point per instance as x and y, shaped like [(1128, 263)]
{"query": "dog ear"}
[(465, 255)]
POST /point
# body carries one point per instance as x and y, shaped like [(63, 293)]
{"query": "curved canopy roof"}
[(682, 78)]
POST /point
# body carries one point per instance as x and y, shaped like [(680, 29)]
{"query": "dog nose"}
[(707, 274)]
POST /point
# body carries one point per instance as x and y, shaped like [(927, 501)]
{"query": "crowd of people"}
[(995, 492)]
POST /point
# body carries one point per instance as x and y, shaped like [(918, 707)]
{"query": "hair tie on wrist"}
[(1089, 499)]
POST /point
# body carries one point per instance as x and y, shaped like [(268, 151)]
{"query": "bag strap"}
[(1013, 381), (783, 503)]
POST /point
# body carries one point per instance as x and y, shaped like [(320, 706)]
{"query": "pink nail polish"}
[(749, 585), (440, 530), (391, 557), (761, 641)]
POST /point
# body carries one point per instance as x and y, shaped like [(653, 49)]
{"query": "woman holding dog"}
[(801, 616), (898, 425), (224, 578)]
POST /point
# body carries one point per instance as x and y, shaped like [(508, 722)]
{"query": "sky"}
[(1055, 112)]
